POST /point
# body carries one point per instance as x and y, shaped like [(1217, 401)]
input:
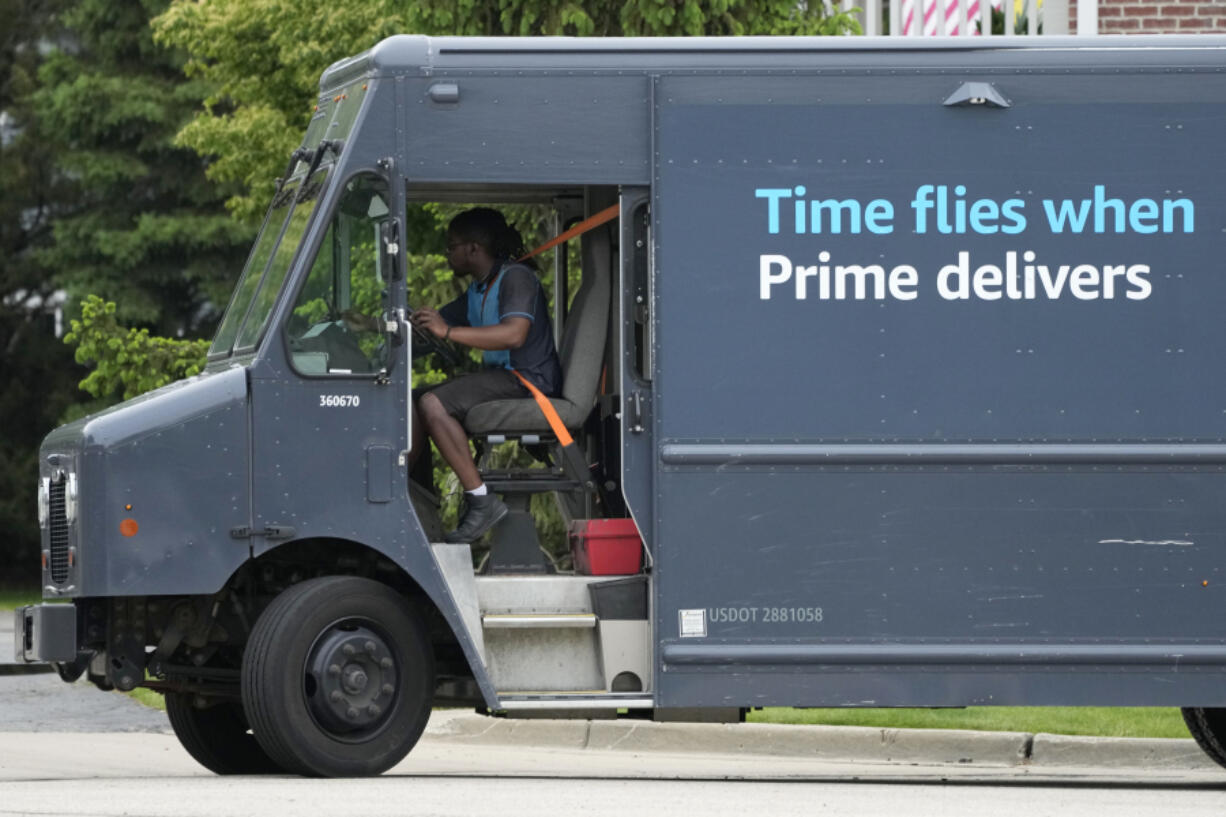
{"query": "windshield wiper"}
[(299, 155), (325, 145), (281, 196)]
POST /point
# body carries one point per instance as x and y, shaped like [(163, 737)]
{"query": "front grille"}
[(58, 527)]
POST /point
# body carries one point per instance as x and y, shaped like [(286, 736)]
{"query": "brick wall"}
[(1156, 16)]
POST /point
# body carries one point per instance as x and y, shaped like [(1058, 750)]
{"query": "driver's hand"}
[(429, 320), (357, 321)]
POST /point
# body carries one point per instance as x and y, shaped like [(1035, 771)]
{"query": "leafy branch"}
[(128, 361)]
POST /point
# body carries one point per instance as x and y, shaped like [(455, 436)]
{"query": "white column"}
[(870, 18), (1055, 16), (1087, 18)]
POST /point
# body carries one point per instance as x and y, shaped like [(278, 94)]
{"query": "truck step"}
[(594, 699), (555, 621)]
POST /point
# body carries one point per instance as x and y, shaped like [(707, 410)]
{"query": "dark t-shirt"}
[(513, 290)]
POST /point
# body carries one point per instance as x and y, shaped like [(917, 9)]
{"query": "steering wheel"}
[(433, 344)]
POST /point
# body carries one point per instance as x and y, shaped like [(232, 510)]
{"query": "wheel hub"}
[(351, 679), (354, 679)]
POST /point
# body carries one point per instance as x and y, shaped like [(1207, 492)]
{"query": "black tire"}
[(1208, 727), (338, 678), (217, 736)]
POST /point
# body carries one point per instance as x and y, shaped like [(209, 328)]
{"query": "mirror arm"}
[(396, 327), (390, 235)]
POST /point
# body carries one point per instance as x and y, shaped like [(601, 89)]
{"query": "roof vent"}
[(977, 93)]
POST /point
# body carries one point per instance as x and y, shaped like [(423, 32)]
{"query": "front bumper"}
[(45, 632)]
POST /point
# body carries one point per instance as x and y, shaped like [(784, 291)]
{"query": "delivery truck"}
[(892, 379)]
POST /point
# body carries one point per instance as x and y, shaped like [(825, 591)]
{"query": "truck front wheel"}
[(338, 678), (1208, 726)]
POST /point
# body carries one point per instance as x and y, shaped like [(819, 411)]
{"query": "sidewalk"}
[(828, 743)]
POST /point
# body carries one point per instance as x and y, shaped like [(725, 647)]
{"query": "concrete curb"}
[(842, 743), (1120, 753)]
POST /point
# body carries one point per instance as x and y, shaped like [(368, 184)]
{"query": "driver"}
[(504, 314)]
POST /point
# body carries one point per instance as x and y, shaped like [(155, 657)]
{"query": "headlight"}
[(70, 498), (44, 501)]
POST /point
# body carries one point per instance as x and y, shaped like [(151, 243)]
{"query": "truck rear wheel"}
[(338, 678), (1208, 726), (217, 736)]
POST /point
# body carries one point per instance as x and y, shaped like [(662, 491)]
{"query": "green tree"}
[(37, 375), (142, 226), (128, 361)]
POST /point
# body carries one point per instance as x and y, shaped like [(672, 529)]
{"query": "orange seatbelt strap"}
[(607, 214), (551, 414)]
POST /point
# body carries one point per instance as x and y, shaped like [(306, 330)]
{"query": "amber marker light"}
[(1205, 583), (127, 507), (128, 527)]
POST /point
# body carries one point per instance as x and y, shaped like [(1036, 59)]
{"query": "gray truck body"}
[(914, 348)]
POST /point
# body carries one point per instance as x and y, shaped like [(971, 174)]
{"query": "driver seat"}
[(581, 352)]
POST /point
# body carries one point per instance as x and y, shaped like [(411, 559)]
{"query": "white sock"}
[(480, 490)]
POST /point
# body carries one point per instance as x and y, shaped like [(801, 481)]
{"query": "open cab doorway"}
[(558, 600)]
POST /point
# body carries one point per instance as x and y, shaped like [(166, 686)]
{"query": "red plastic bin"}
[(606, 547)]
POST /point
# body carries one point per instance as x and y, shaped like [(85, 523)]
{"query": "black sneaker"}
[(480, 514)]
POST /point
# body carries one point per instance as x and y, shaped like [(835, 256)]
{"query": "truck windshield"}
[(253, 272), (274, 276), (284, 226)]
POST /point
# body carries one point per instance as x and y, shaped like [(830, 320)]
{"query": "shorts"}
[(460, 394)]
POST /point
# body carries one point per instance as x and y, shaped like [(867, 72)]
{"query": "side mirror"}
[(389, 239)]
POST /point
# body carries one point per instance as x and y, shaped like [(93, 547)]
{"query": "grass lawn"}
[(149, 698), (11, 599), (1130, 722)]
